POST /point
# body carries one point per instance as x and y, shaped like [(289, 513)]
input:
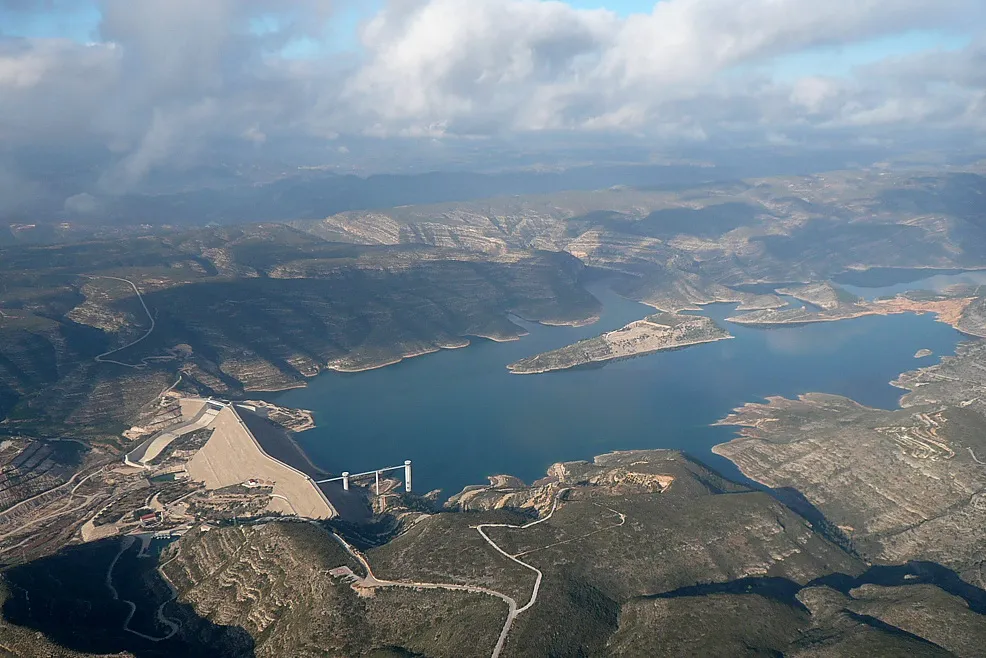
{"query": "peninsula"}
[(824, 302), (957, 307), (661, 331)]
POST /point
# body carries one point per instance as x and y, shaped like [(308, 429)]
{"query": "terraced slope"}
[(903, 485), (635, 547)]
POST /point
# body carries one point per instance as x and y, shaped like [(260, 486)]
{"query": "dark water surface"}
[(881, 277), (461, 416), (934, 280)]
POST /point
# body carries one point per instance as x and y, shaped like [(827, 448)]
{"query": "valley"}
[(839, 512)]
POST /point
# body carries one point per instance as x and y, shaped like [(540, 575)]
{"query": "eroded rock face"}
[(798, 228), (830, 304), (612, 474), (265, 306)]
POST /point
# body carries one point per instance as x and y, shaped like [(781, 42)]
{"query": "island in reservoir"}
[(661, 331)]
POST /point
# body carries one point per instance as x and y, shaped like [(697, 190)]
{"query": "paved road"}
[(52, 490), (154, 445), (372, 581), (537, 581), (172, 626), (287, 500), (102, 357)]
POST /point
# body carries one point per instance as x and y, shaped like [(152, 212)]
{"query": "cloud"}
[(17, 193), (81, 204), (254, 134), (170, 83), (447, 63), (191, 70), (527, 65)]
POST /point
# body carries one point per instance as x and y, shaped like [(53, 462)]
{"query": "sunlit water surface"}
[(461, 416)]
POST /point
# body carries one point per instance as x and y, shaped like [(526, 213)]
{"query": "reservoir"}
[(879, 285), (461, 416)]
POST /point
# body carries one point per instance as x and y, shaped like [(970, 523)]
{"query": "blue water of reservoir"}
[(935, 282), (461, 416)]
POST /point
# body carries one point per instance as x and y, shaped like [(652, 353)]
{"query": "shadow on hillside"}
[(778, 589), (785, 590), (911, 573), (67, 598)]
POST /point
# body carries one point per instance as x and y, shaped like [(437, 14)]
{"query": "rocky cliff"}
[(904, 485)]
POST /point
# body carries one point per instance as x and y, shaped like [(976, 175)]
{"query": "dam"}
[(245, 447), (233, 455)]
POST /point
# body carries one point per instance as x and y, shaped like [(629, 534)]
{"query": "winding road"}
[(372, 581), (60, 512), (173, 627), (53, 489), (102, 357), (481, 529)]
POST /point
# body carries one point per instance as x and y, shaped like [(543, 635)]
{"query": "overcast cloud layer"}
[(167, 80)]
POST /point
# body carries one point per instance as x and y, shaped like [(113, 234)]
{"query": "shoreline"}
[(567, 323), (412, 355), (945, 311), (698, 307), (718, 450), (935, 268), (280, 389), (620, 357), (350, 370)]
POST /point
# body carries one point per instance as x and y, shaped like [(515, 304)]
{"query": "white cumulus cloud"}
[(168, 80)]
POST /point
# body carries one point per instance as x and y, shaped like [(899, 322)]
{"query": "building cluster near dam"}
[(246, 449)]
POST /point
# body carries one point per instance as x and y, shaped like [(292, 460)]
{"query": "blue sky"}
[(80, 23), (77, 21), (622, 7)]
